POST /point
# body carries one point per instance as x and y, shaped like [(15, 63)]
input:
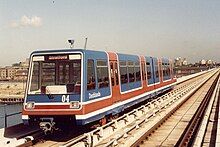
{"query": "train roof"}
[(86, 51), (75, 50), (62, 50)]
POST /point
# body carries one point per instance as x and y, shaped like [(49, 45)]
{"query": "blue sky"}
[(163, 28)]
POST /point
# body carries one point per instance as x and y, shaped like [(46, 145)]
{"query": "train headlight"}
[(30, 105), (74, 104)]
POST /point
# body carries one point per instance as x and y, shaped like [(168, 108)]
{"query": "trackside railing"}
[(6, 114)]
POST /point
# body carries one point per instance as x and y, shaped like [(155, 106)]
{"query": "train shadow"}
[(18, 131)]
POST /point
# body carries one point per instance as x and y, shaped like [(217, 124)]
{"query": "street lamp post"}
[(85, 42)]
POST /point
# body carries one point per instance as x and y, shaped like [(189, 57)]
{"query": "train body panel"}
[(89, 85)]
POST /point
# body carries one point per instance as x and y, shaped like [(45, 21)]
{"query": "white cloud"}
[(26, 21)]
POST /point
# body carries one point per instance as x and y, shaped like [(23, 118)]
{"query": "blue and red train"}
[(86, 86)]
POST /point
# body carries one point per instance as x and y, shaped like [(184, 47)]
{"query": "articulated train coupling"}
[(47, 126)]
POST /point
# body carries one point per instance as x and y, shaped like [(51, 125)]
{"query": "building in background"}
[(207, 62), (210, 62), (202, 62), (10, 72), (179, 61), (3, 73), (16, 72), (21, 71)]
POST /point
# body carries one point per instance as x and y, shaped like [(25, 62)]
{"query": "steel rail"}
[(217, 141), (213, 107), (189, 133)]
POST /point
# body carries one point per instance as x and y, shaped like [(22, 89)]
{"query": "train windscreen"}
[(55, 74)]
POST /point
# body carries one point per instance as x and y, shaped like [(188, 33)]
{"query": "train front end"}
[(54, 91)]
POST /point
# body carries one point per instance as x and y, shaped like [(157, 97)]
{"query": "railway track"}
[(124, 128), (180, 127), (187, 138), (207, 132), (109, 134)]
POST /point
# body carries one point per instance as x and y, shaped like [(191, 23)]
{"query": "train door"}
[(115, 81)]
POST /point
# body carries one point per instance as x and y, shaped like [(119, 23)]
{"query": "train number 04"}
[(66, 98)]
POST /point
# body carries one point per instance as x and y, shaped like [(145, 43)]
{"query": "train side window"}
[(123, 72), (137, 71), (90, 75), (148, 70), (166, 69), (35, 82), (102, 73), (131, 72)]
